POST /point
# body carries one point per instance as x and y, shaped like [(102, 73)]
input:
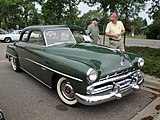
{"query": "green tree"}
[(85, 19), (9, 13), (154, 9), (58, 12), (153, 30), (131, 8), (71, 14), (17, 12), (137, 24)]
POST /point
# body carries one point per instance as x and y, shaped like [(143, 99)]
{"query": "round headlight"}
[(92, 75), (140, 62)]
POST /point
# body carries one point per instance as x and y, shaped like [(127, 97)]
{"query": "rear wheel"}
[(14, 63), (65, 91), (7, 39)]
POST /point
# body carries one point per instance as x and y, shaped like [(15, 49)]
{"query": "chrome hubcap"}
[(67, 91), (7, 39)]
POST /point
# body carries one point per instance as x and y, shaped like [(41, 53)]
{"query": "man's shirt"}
[(93, 31), (115, 29)]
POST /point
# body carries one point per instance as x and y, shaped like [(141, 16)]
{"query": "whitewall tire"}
[(65, 91)]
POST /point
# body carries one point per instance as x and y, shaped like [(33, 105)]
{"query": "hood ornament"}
[(122, 61)]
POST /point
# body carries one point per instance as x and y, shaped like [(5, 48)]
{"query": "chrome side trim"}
[(36, 78), (54, 70)]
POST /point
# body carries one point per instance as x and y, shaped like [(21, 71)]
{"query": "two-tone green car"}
[(62, 57)]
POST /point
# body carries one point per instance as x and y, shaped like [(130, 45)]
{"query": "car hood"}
[(103, 59)]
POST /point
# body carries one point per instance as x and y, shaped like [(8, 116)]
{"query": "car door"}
[(30, 49)]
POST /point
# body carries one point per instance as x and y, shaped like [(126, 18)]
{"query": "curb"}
[(151, 81), (149, 111)]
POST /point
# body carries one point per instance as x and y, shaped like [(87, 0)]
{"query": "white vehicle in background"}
[(13, 36)]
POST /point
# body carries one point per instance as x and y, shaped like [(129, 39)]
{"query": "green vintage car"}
[(63, 57)]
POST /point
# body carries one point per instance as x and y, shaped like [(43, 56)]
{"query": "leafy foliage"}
[(137, 24), (131, 8), (17, 12), (153, 31), (85, 19), (151, 57), (60, 12), (155, 7)]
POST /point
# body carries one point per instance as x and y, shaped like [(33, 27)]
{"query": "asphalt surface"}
[(143, 43), (24, 98), (139, 42)]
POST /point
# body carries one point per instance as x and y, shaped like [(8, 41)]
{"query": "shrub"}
[(151, 57), (153, 32)]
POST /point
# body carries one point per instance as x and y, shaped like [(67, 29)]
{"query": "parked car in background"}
[(63, 57), (8, 37)]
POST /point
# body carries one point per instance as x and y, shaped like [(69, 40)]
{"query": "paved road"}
[(24, 98), (141, 42)]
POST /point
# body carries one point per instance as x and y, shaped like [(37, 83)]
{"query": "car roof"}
[(44, 27)]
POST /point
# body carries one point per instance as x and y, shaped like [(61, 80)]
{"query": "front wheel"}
[(65, 91), (14, 63), (7, 39)]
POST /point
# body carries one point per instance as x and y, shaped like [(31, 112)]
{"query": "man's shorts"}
[(117, 44)]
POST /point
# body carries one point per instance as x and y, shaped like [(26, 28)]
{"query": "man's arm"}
[(115, 35), (122, 32), (89, 30), (109, 34), (122, 29)]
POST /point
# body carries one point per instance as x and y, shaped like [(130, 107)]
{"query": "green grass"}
[(151, 57), (136, 36)]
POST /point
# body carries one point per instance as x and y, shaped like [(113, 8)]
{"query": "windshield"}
[(58, 36)]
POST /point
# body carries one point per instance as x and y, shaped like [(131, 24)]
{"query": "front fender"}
[(74, 70), (134, 59)]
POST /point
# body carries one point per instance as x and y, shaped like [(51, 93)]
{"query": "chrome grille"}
[(124, 79), (117, 73)]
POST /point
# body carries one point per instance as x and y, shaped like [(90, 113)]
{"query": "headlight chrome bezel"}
[(140, 62), (91, 75)]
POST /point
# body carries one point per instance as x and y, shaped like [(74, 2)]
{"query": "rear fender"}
[(11, 51)]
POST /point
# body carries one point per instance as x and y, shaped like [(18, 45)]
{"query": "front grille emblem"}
[(122, 63)]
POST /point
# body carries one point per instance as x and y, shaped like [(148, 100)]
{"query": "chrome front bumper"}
[(110, 89), (99, 99)]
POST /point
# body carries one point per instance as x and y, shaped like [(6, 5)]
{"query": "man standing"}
[(93, 30), (114, 30)]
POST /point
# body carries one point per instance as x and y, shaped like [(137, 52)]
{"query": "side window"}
[(36, 38), (25, 35)]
